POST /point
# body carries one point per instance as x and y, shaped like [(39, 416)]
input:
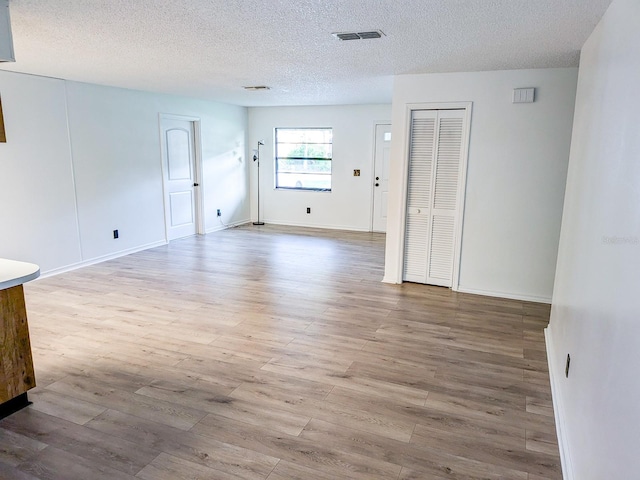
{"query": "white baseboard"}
[(326, 227), (103, 258), (122, 253), (486, 293), (513, 296), (217, 228), (390, 280), (558, 408)]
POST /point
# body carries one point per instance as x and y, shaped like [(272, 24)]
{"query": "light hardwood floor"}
[(277, 353)]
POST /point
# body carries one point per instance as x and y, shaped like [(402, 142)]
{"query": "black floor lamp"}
[(257, 158)]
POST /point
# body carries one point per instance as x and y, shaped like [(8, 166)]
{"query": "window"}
[(303, 158)]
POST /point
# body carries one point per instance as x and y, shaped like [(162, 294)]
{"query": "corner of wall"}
[(392, 281), (558, 407)]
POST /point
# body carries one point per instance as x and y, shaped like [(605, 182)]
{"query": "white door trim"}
[(198, 176), (462, 183), (373, 169)]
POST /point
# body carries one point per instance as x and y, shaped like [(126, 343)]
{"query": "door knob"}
[(377, 178), (196, 184), (377, 184)]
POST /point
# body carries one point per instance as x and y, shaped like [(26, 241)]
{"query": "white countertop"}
[(14, 273)]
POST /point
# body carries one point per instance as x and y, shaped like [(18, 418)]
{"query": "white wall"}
[(518, 155), (37, 200), (82, 160), (596, 302), (348, 205)]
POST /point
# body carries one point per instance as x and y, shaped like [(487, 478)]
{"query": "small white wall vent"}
[(358, 35), (524, 95)]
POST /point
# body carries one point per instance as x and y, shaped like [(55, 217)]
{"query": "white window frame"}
[(277, 157)]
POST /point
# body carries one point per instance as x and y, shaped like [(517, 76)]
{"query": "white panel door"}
[(382, 157), (435, 159), (178, 154)]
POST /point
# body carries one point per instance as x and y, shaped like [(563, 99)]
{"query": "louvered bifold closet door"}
[(440, 256), (435, 159), (419, 194)]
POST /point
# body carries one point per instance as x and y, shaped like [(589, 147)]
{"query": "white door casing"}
[(181, 176), (437, 161), (382, 157)]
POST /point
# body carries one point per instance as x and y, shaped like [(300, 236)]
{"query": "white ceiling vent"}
[(358, 35)]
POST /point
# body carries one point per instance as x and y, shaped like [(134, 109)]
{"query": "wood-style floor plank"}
[(168, 467), (325, 457), (277, 353), (189, 446), (16, 448), (59, 464)]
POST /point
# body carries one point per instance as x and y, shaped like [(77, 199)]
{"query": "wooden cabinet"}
[(16, 364)]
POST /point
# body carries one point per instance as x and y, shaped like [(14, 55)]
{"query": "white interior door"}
[(421, 160), (435, 166), (180, 182), (382, 156)]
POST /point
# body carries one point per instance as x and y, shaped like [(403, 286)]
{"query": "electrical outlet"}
[(308, 209), (566, 368), (219, 213), (115, 234)]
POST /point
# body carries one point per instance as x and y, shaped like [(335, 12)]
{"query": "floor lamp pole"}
[(257, 158)]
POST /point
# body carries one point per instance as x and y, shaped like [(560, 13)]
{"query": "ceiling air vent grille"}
[(358, 35)]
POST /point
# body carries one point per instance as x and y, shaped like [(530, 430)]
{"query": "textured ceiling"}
[(211, 48)]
